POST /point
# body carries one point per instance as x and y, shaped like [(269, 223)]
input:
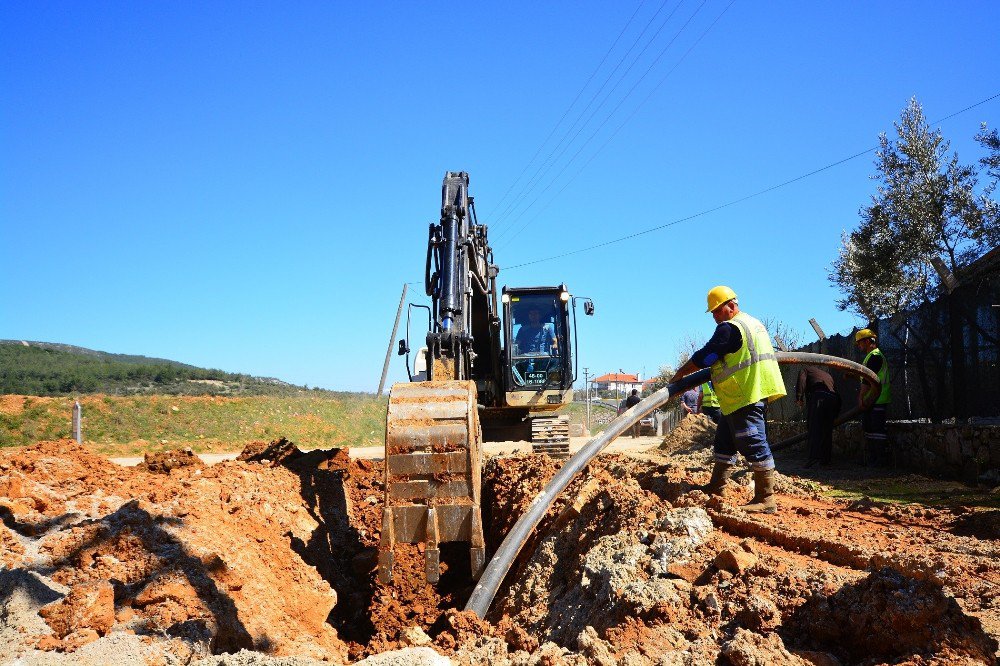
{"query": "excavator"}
[(488, 372)]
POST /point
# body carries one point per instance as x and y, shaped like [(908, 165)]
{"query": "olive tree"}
[(925, 206)]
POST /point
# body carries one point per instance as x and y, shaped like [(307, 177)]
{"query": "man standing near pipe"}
[(877, 451), (746, 376), (816, 389)]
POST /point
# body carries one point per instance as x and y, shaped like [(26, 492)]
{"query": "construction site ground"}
[(270, 559)]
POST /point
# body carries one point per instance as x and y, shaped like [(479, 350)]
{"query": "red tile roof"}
[(617, 377)]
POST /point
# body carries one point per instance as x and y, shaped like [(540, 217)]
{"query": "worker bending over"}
[(746, 376)]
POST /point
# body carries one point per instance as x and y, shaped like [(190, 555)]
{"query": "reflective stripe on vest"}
[(708, 397), (885, 396), (750, 374)]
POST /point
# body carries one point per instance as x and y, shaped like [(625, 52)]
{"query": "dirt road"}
[(621, 445)]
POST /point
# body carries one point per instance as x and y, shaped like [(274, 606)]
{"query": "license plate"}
[(536, 377)]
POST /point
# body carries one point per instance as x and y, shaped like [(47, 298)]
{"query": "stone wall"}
[(961, 452)]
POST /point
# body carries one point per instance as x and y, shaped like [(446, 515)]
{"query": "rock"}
[(164, 461), (633, 658), (519, 639), (87, 606), (79, 638), (164, 589), (613, 571), (597, 651), (49, 643), (759, 614), (706, 599), (550, 654), (735, 561), (749, 649), (692, 522), (411, 656), (415, 637)]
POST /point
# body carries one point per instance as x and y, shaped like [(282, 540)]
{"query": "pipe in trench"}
[(488, 584)]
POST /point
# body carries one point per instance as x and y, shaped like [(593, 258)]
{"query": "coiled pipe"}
[(488, 584)]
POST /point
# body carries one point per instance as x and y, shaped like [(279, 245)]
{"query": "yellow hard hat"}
[(719, 295), (863, 334)]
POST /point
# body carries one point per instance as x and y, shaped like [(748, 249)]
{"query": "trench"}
[(568, 580)]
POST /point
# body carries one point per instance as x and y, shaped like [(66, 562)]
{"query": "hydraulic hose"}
[(488, 584)]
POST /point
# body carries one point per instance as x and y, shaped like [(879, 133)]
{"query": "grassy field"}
[(914, 489), (117, 425), (131, 425)]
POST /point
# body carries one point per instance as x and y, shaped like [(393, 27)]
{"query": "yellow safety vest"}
[(708, 397), (883, 376), (750, 374)]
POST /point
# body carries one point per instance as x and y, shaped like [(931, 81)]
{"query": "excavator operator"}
[(536, 336)]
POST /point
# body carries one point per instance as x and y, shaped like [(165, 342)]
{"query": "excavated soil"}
[(270, 559), (695, 431)]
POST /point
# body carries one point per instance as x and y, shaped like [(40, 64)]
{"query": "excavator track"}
[(550, 435), (432, 473)]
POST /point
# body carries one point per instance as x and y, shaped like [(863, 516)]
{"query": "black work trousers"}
[(822, 408), (877, 448)]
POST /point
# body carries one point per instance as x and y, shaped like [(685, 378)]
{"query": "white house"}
[(617, 381)]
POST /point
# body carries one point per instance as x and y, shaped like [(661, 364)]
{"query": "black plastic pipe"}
[(496, 570), (493, 575)]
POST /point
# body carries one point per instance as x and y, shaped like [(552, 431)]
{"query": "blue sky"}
[(247, 185)]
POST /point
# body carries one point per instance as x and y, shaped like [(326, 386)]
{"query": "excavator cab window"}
[(537, 341)]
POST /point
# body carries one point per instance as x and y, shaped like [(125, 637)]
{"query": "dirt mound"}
[(195, 558), (608, 561), (695, 431), (164, 461), (888, 616), (980, 524), (273, 557), (276, 452)]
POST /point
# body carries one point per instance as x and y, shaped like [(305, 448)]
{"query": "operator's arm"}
[(550, 331), (726, 340)]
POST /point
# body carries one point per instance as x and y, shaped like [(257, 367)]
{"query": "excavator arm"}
[(433, 436)]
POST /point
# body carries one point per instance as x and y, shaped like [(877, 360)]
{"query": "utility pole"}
[(392, 339), (586, 387), (78, 422)]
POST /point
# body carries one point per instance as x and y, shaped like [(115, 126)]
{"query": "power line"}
[(522, 193), (735, 201), (614, 111), (571, 104), (547, 165)]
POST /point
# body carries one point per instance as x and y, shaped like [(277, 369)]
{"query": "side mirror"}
[(588, 308), (403, 349)]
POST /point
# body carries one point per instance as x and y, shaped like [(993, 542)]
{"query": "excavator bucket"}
[(432, 473)]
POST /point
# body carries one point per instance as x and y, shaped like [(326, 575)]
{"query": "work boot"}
[(720, 476), (763, 493)]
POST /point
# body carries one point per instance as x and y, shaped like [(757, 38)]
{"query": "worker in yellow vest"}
[(708, 402), (745, 376), (877, 450)]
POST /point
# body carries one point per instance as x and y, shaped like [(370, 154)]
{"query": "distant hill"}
[(52, 369)]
